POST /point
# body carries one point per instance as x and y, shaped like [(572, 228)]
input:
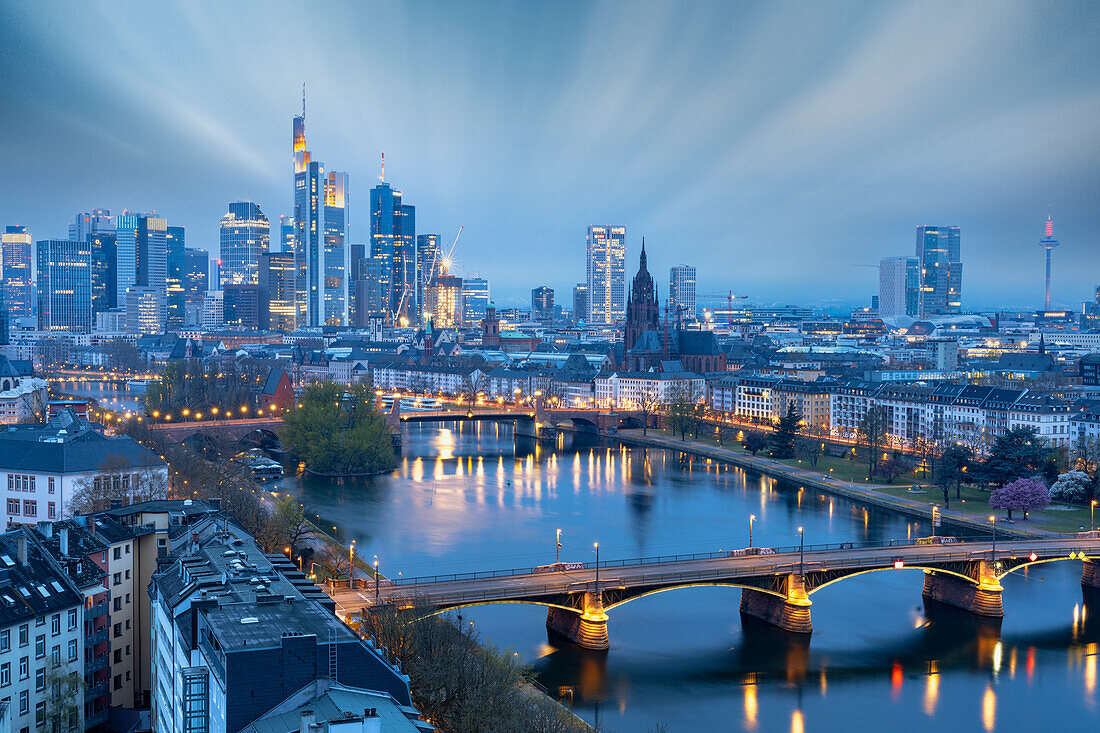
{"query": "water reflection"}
[(466, 498)]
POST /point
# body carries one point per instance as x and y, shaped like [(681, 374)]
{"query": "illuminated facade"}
[(64, 285), (309, 185), (443, 302), (143, 310), (393, 244), (141, 247), (606, 275), (429, 264), (277, 291), (15, 258), (337, 254), (245, 235), (196, 274), (542, 303), (475, 300), (940, 261), (176, 296), (682, 290)]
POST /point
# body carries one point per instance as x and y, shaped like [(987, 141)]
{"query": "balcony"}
[(100, 662), (98, 690), (96, 637), (99, 609)]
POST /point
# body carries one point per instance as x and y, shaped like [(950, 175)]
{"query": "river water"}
[(461, 500), (110, 395)]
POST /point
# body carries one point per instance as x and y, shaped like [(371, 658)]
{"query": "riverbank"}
[(881, 495)]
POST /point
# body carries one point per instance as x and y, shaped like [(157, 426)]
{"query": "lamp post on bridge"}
[(376, 582), (1092, 515), (597, 545), (557, 551), (752, 518), (801, 547), (994, 520)]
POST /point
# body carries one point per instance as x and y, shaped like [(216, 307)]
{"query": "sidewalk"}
[(869, 493)]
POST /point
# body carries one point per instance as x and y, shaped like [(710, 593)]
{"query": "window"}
[(127, 575), (5, 674), (40, 679), (127, 599), (40, 713), (55, 624), (118, 604), (30, 508), (118, 630), (127, 650), (127, 546), (39, 646), (24, 667), (51, 484), (13, 507), (24, 702), (118, 553), (24, 635), (72, 618), (118, 682), (72, 650), (55, 654), (40, 621), (52, 510), (118, 656), (5, 640), (116, 579)]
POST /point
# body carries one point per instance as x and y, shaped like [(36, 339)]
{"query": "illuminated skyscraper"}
[(580, 302), (393, 244), (175, 240), (309, 197), (277, 291), (429, 264), (1048, 243), (682, 290), (940, 261), (606, 274), (286, 235), (542, 303), (15, 266), (475, 300), (898, 287), (337, 253), (142, 256), (64, 285), (245, 235), (196, 274)]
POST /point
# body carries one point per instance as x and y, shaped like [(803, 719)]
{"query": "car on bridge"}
[(558, 567), (751, 551), (937, 540)]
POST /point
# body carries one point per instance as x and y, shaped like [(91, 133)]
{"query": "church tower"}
[(642, 309)]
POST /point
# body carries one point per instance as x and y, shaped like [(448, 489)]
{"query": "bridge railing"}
[(963, 550)]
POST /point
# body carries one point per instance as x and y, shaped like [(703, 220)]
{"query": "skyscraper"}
[(309, 197), (393, 244), (681, 290), (64, 285), (542, 303), (1048, 243), (142, 255), (442, 300), (104, 271), (175, 244), (196, 274), (98, 221), (245, 235), (580, 302), (277, 291), (428, 264), (898, 287), (475, 300), (15, 266), (286, 235), (337, 198), (606, 274), (940, 261)]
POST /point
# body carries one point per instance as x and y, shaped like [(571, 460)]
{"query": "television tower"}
[(1048, 242)]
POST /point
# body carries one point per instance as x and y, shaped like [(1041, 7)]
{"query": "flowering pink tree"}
[(1023, 494)]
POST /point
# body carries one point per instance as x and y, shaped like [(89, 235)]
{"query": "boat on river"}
[(259, 466)]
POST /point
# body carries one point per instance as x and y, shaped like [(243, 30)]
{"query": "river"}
[(460, 500), (114, 396)]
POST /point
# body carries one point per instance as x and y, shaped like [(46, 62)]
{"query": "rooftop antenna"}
[(382, 175), (303, 100)]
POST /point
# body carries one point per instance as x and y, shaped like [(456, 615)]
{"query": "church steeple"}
[(641, 261)]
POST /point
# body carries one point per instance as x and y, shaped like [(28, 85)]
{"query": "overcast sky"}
[(773, 145)]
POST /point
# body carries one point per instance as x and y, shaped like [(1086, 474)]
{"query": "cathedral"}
[(650, 344)]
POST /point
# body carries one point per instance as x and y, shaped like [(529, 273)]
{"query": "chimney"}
[(45, 529), (21, 547), (63, 533), (305, 721)]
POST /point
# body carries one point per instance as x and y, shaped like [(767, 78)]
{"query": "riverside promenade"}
[(867, 493)]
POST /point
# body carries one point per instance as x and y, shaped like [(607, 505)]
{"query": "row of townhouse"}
[(450, 380), (637, 390), (762, 398), (972, 414)]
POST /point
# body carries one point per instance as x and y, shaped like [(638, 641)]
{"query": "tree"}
[(1086, 458), (288, 525), (786, 433), (955, 465), (1071, 486), (894, 466), (1023, 495), (334, 560), (872, 436), (338, 431), (679, 411), (647, 403), (811, 444), (64, 696), (117, 482), (123, 356), (755, 441), (1017, 453)]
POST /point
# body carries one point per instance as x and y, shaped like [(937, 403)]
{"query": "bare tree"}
[(117, 481), (647, 403), (872, 436)]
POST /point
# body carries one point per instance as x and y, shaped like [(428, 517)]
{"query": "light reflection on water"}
[(877, 655)]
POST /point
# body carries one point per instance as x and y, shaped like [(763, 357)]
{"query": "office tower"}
[(245, 235), (442, 304), (196, 274), (104, 273), (337, 198), (475, 300), (580, 302), (681, 290), (141, 245), (143, 310), (64, 285), (372, 292), (393, 244), (309, 197), (241, 306), (429, 263), (606, 274), (175, 244), (277, 291), (98, 221), (213, 309), (940, 262), (1048, 243), (286, 235), (542, 303), (15, 265), (356, 253), (898, 287)]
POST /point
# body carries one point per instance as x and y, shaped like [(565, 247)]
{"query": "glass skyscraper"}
[(141, 247), (277, 291), (606, 275), (196, 274), (309, 183), (175, 243), (475, 300), (245, 235), (337, 254), (898, 287), (393, 244), (15, 258), (64, 285), (940, 262), (429, 264), (681, 290)]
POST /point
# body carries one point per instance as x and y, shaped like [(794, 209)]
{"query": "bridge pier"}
[(587, 629), (790, 613), (982, 598), (1090, 574)]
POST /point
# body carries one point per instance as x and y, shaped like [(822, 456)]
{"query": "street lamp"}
[(597, 567), (994, 520), (752, 518), (1092, 515), (351, 564), (376, 582), (801, 548), (557, 552)]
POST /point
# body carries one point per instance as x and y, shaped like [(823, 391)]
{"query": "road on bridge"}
[(513, 585)]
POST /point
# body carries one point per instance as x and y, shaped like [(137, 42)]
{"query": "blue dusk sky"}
[(774, 145)]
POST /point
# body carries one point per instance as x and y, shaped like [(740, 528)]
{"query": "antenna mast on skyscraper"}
[(382, 175), (303, 100)]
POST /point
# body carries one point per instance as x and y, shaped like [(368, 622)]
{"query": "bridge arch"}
[(580, 424), (1011, 565), (699, 584), (436, 611)]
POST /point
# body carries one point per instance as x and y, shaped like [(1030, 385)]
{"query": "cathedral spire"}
[(641, 261)]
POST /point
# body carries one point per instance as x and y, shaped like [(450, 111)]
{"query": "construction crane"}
[(729, 297), (448, 259)]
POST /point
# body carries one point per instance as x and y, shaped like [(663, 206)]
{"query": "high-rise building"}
[(372, 292), (98, 221), (475, 300), (606, 274), (286, 235), (245, 235), (104, 272), (141, 245), (542, 303), (277, 291), (898, 287), (580, 302), (429, 263), (337, 255), (309, 198), (393, 243), (15, 266), (175, 243), (356, 254), (1048, 243), (241, 306), (442, 303), (143, 310), (196, 274), (681, 290), (940, 261), (64, 285)]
